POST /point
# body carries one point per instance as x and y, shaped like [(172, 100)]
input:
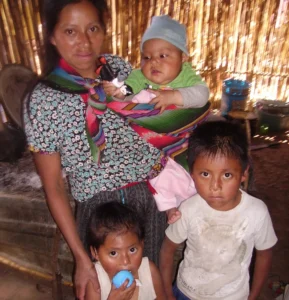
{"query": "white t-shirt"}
[(146, 290), (219, 246)]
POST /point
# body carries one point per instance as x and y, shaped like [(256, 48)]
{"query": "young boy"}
[(172, 81), (221, 224)]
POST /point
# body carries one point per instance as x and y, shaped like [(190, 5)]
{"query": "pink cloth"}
[(173, 185), (143, 96)]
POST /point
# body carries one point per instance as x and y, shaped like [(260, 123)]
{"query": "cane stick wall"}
[(247, 39)]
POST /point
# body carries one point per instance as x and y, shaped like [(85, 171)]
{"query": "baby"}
[(173, 84)]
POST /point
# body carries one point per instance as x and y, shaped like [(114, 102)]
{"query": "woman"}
[(66, 132)]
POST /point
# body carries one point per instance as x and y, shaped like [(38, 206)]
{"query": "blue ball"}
[(120, 277)]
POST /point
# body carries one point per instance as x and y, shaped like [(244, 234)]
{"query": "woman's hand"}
[(165, 98), (111, 90), (84, 273), (123, 292), (49, 169)]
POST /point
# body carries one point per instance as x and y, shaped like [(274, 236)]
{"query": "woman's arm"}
[(90, 293), (261, 270), (167, 253), (157, 282), (49, 169)]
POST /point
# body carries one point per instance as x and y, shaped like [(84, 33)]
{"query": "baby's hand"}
[(164, 98), (111, 90), (123, 292), (173, 214)]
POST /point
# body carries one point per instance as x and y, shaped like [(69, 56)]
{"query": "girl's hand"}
[(165, 98), (84, 273), (123, 292)]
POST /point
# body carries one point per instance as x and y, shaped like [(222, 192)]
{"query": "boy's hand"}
[(111, 90), (165, 98), (123, 292)]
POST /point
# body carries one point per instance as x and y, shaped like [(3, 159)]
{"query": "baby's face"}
[(120, 251), (217, 180), (161, 61)]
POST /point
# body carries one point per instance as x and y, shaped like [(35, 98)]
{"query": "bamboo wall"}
[(247, 39)]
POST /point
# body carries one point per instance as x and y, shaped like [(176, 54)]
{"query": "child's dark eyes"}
[(228, 175), (113, 253), (149, 57), (205, 174), (133, 249)]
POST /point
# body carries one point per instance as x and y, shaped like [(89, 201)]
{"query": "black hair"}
[(219, 138), (113, 217), (51, 10)]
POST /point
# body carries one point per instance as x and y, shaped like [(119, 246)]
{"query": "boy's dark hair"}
[(113, 217), (51, 10), (219, 138)]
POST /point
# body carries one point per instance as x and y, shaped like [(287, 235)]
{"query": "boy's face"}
[(120, 251), (217, 180), (161, 61)]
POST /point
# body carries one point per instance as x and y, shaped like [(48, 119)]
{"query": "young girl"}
[(115, 236)]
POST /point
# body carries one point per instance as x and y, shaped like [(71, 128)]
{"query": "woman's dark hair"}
[(51, 10), (113, 217), (219, 138)]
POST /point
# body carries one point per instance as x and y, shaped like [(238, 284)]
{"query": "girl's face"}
[(161, 61), (217, 180), (120, 251), (78, 37)]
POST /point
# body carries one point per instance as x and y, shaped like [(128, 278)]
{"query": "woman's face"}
[(78, 37)]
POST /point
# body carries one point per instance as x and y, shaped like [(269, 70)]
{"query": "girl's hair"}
[(51, 10), (113, 217), (219, 138)]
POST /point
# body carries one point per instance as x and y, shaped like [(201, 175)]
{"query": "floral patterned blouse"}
[(55, 122)]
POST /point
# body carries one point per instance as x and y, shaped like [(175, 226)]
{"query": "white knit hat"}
[(165, 28)]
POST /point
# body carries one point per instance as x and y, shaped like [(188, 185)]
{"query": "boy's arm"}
[(157, 282), (168, 250), (261, 270)]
